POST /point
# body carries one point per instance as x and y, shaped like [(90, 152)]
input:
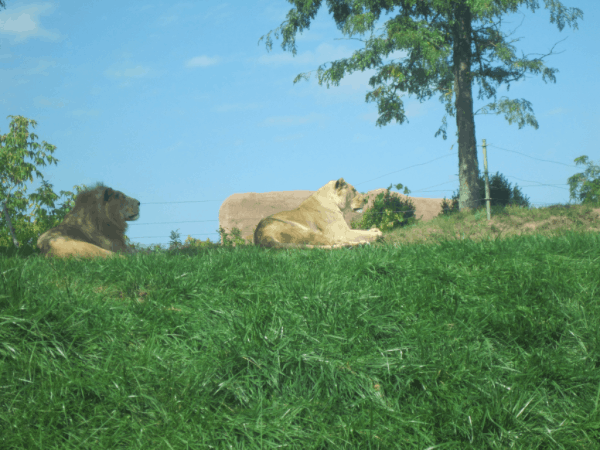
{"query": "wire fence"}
[(424, 190)]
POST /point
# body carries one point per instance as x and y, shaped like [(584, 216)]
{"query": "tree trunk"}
[(9, 223), (468, 167)]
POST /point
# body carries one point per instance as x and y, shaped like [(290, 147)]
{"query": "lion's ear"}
[(340, 183), (108, 193)]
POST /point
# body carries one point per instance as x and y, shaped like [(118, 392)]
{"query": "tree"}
[(501, 193), (589, 182), (14, 171), (445, 55)]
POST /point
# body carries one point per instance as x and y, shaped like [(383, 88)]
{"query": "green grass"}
[(457, 344)]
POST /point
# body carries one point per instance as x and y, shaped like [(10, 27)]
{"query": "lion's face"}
[(358, 201), (347, 195), (117, 202)]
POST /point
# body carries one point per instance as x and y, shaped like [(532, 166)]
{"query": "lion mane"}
[(318, 222), (94, 227)]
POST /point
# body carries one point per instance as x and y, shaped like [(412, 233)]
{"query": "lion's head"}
[(348, 196), (109, 206)]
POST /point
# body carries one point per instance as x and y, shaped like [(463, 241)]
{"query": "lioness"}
[(318, 222), (94, 227)]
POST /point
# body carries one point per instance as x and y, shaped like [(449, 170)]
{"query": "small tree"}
[(588, 182), (14, 171)]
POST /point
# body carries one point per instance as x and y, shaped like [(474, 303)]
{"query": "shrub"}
[(501, 194), (236, 238), (388, 212), (198, 243)]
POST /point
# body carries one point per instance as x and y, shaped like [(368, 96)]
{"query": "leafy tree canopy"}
[(424, 29), (445, 53)]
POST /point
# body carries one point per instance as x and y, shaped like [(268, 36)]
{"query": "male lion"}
[(317, 223), (94, 227)]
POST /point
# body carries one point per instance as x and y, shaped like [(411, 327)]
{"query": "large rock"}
[(244, 211)]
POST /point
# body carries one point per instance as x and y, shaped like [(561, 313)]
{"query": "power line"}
[(537, 184), (363, 182)]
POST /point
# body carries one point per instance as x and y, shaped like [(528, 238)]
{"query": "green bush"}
[(501, 194), (388, 212), (198, 243), (236, 237)]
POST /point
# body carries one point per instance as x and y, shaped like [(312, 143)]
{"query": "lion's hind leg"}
[(62, 247)]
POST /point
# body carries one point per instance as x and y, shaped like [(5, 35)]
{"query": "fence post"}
[(487, 183)]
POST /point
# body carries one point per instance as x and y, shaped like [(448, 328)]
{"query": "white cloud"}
[(40, 67), (24, 22), (201, 61), (556, 111), (51, 102), (85, 113)]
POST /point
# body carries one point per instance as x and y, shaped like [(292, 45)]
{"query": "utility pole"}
[(487, 183)]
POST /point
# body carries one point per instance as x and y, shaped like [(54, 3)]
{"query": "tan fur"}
[(318, 222), (94, 227)]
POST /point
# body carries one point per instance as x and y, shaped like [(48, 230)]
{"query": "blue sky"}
[(177, 102)]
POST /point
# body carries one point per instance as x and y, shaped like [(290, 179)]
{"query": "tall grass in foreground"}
[(461, 345)]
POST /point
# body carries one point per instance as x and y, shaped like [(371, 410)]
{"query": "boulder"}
[(244, 211)]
